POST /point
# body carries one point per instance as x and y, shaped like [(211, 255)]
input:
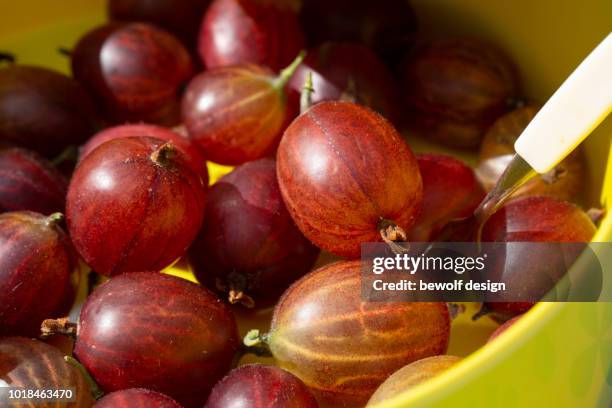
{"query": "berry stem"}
[(596, 214), (306, 94), (391, 234), (164, 154), (236, 287), (94, 388), (68, 154), (257, 343), (61, 326), (484, 310), (54, 219), (65, 51), (287, 73)]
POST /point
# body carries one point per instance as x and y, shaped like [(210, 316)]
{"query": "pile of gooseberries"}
[(105, 199)]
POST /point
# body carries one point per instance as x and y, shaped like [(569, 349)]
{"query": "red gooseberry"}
[(134, 203), (347, 177)]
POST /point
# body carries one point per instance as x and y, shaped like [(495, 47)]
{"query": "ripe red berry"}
[(343, 347), (180, 17), (32, 364), (134, 204), (156, 331), (347, 177), (43, 110), (259, 386), (135, 70), (136, 398), (534, 219), (450, 191), (249, 244), (237, 114), (182, 143), (249, 31), (29, 182), (38, 271)]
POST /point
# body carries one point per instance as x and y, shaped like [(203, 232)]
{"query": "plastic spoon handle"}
[(571, 114)]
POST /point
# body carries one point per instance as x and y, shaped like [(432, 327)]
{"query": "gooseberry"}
[(348, 177), (134, 204), (29, 182), (249, 245), (455, 88), (259, 386), (263, 32), (343, 347), (38, 271)]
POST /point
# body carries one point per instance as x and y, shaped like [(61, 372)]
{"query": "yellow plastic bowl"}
[(559, 354)]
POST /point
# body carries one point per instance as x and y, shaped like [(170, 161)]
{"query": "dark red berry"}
[(450, 191), (29, 182), (134, 204), (156, 331), (534, 219), (43, 110), (262, 32), (348, 177), (38, 271), (195, 159), (136, 398), (249, 244), (135, 70), (32, 364), (180, 17), (259, 386)]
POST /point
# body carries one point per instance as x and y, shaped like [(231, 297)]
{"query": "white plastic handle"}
[(572, 113)]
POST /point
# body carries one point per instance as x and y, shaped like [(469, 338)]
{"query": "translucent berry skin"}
[(193, 156), (450, 191), (249, 31), (43, 110), (156, 331), (135, 70), (410, 376), (343, 348), (248, 237), (455, 88), (32, 364), (235, 114), (534, 219), (136, 398), (28, 182), (341, 169), (259, 386), (128, 210), (180, 17), (335, 76), (38, 272)]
